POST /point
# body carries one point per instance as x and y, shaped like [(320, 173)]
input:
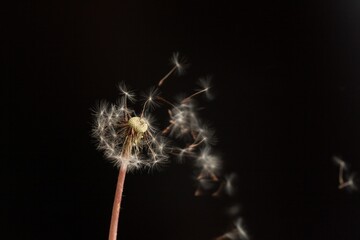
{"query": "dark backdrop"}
[(286, 85)]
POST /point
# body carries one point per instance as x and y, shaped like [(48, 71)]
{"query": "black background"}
[(287, 97)]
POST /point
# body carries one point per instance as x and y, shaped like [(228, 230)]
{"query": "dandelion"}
[(128, 139), (131, 141)]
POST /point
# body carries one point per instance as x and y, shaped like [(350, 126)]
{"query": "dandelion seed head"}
[(126, 138), (138, 124)]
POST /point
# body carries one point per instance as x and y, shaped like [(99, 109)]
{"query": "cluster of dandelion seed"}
[(185, 124), (346, 179), (200, 139)]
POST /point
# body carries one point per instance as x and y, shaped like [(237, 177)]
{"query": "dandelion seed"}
[(233, 210), (181, 153), (205, 85), (175, 60), (129, 94), (150, 100), (219, 190), (179, 65), (350, 182), (207, 134), (183, 121), (237, 233), (230, 184), (206, 186), (209, 163), (240, 229), (226, 186)]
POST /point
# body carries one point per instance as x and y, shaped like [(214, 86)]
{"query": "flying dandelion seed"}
[(185, 124), (233, 210), (351, 179), (205, 85), (227, 186), (230, 184), (206, 186), (237, 232)]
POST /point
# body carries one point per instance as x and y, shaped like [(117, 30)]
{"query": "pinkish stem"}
[(117, 201)]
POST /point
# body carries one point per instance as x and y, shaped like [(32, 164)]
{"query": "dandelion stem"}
[(117, 201)]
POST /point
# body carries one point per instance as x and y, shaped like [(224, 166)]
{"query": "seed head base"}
[(138, 124)]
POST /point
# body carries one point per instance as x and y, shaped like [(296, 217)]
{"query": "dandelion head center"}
[(138, 124)]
